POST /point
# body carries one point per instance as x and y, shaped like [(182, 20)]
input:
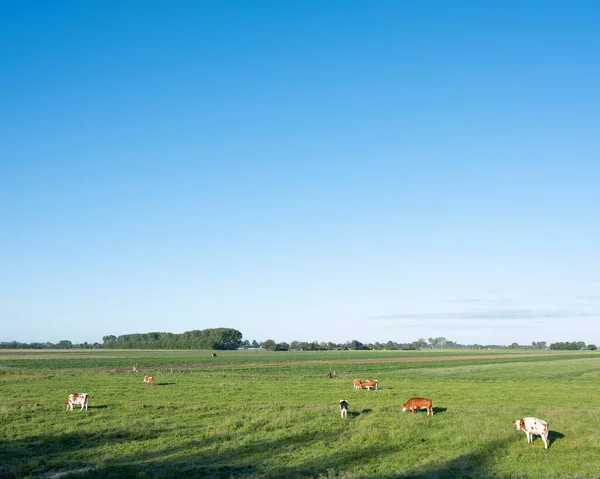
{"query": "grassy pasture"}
[(107, 359), (274, 415)]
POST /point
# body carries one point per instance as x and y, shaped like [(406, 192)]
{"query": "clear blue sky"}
[(311, 170)]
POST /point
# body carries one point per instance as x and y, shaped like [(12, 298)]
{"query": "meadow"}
[(254, 414)]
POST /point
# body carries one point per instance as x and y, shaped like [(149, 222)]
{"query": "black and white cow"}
[(344, 407)]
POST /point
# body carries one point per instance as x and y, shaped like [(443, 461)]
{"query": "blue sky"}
[(321, 171)]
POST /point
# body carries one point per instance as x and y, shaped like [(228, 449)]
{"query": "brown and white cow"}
[(344, 407), (77, 398), (148, 380), (357, 384), (533, 426), (418, 403), (370, 383)]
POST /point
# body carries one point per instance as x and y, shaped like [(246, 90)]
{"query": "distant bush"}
[(568, 346)]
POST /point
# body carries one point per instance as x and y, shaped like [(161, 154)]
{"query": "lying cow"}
[(344, 407), (77, 398), (370, 383), (533, 427), (418, 403), (148, 380)]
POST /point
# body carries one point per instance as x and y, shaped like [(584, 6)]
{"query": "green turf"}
[(251, 418)]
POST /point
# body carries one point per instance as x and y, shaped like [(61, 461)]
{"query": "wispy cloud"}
[(465, 300), (491, 314), (481, 301), (470, 324), (467, 325), (589, 298)]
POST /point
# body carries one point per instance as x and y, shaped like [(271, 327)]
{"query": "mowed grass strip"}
[(262, 420)]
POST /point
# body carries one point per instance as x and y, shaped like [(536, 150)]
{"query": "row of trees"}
[(421, 343), (64, 344), (227, 338), (272, 345), (216, 338), (573, 346)]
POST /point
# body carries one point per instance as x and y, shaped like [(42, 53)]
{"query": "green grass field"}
[(275, 415)]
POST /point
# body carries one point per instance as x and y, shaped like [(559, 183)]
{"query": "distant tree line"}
[(217, 338), (64, 344), (421, 343), (573, 346), (227, 338)]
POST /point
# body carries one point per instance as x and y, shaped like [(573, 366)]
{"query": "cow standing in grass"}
[(370, 383), (344, 407), (77, 398), (148, 380), (418, 403), (533, 427)]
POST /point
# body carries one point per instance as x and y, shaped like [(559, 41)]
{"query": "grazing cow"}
[(533, 426), (357, 384), (77, 398), (418, 403), (344, 407), (370, 383), (148, 380)]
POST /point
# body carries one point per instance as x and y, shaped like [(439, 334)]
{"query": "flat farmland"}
[(254, 414)]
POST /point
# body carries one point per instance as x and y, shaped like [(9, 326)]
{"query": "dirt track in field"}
[(329, 361)]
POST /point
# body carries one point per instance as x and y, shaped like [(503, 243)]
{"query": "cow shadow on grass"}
[(439, 410), (101, 406), (365, 411), (554, 436), (165, 384)]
